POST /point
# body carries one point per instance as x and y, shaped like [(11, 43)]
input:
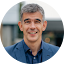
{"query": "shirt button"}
[(30, 50), (34, 57)]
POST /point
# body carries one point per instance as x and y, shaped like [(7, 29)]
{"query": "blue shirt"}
[(30, 58)]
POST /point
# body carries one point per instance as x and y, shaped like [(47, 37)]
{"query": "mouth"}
[(32, 33)]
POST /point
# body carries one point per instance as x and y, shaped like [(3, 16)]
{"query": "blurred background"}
[(11, 34)]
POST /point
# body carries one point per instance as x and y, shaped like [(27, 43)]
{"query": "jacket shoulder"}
[(51, 47), (10, 50)]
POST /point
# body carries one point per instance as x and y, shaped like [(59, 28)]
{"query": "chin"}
[(32, 40)]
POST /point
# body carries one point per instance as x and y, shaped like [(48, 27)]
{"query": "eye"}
[(37, 21), (27, 21)]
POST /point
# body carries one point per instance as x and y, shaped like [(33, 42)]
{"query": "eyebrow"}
[(26, 19), (29, 19), (38, 20)]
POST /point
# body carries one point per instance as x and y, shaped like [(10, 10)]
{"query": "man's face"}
[(32, 26)]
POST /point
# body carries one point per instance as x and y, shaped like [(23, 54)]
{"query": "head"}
[(32, 22), (31, 8)]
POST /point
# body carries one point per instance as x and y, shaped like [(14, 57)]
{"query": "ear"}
[(44, 25), (20, 25)]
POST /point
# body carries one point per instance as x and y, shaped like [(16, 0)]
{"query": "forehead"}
[(35, 15)]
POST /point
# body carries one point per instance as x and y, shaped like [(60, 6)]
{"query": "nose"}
[(32, 26)]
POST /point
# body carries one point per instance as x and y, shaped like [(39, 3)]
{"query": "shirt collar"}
[(26, 48)]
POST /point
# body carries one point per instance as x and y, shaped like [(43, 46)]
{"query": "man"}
[(32, 49)]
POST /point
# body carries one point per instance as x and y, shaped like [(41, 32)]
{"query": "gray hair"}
[(31, 8)]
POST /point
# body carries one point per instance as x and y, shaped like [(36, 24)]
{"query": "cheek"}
[(25, 28), (40, 28)]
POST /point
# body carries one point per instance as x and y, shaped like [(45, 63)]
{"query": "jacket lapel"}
[(19, 51), (46, 53), (20, 54)]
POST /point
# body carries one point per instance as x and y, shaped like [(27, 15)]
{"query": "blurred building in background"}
[(11, 33), (10, 29), (54, 32), (1, 32)]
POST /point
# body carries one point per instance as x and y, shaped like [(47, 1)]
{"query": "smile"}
[(32, 33)]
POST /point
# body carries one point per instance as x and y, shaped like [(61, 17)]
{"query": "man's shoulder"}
[(51, 47), (11, 48)]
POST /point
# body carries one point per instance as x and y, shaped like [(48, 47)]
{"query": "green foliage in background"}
[(20, 35)]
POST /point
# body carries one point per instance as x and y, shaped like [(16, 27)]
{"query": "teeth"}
[(32, 32)]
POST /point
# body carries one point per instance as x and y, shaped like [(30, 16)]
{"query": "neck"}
[(34, 46)]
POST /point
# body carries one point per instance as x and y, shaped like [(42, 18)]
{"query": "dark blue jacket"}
[(17, 51)]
